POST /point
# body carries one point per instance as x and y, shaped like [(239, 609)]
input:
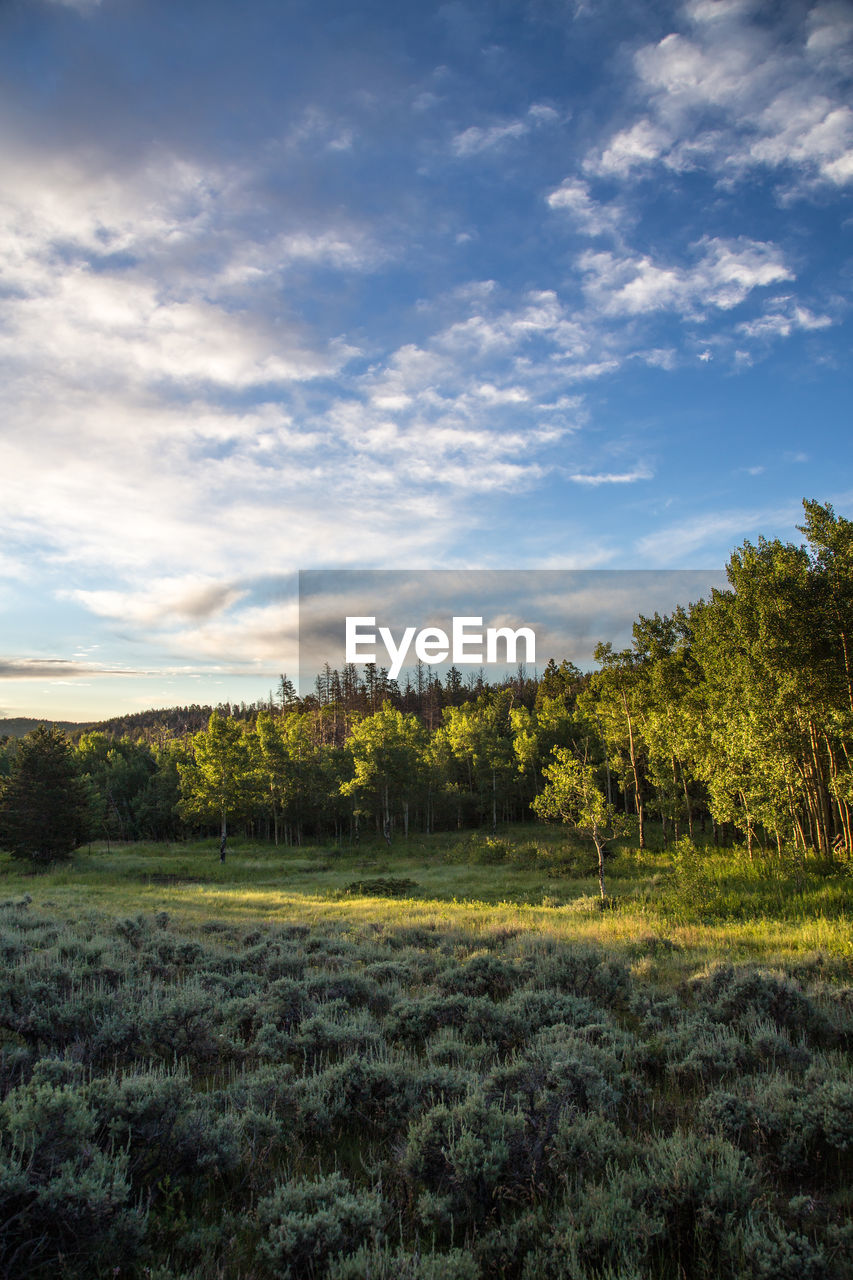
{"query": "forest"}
[(401, 1033), (732, 717)]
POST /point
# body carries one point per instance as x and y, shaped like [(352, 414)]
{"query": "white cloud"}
[(637, 145), (111, 280), (830, 35), (82, 6), (595, 479), (723, 277), (591, 218), (783, 318), (264, 636), (474, 139), (716, 533), (502, 395), (170, 598), (543, 114), (734, 92)]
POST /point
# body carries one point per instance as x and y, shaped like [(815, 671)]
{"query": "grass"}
[(259, 1071), (669, 911)]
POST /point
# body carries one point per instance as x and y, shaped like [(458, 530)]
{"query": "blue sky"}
[(469, 285)]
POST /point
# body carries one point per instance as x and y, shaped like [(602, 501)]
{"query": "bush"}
[(581, 972), (483, 975), (736, 997), (533, 1103), (412, 1021), (66, 1204), (309, 1221), (458, 1157)]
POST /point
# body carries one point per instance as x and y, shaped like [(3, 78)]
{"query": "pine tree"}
[(45, 810)]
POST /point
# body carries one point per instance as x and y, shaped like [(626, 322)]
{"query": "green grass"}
[(670, 913)]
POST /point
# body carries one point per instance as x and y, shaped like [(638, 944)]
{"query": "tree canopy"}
[(46, 809)]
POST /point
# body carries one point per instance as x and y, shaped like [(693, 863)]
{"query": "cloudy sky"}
[(485, 284)]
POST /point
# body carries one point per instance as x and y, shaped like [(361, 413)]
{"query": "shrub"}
[(538, 1008), (64, 1202), (412, 1021), (164, 1127), (383, 887), (483, 975), (378, 1094), (334, 1031), (584, 1145), (581, 972), (351, 987), (550, 1080), (766, 1250), (459, 1156), (309, 1221), (736, 996)]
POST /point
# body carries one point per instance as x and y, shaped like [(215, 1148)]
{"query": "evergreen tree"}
[(45, 811)]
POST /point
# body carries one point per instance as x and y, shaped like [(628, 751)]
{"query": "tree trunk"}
[(599, 848), (687, 801), (638, 799)]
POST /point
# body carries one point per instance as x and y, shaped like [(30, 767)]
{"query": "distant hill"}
[(153, 725), (18, 726)]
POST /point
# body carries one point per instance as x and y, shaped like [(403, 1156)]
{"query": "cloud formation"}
[(728, 94), (436, 293)]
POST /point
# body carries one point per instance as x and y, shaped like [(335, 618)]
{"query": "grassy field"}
[(668, 911), (439, 1061)]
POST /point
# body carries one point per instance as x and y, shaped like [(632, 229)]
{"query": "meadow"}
[(442, 1060)]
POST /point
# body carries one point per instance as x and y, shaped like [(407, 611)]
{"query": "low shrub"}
[(459, 1158), (307, 1222)]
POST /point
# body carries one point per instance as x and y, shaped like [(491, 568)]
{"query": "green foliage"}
[(218, 780), (458, 1158), (383, 887), (572, 794), (272, 1099), (64, 1200), (45, 807), (307, 1222)]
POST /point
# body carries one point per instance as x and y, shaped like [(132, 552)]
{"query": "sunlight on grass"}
[(762, 911)]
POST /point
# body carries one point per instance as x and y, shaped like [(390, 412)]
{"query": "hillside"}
[(18, 726)]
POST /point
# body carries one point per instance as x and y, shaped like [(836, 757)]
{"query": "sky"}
[(488, 284)]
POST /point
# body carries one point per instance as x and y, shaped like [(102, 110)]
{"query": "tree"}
[(119, 772), (614, 699), (273, 764), (219, 780), (285, 693), (480, 735), (386, 751), (573, 795), (45, 811)]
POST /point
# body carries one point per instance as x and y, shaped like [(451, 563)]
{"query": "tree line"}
[(733, 715)]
